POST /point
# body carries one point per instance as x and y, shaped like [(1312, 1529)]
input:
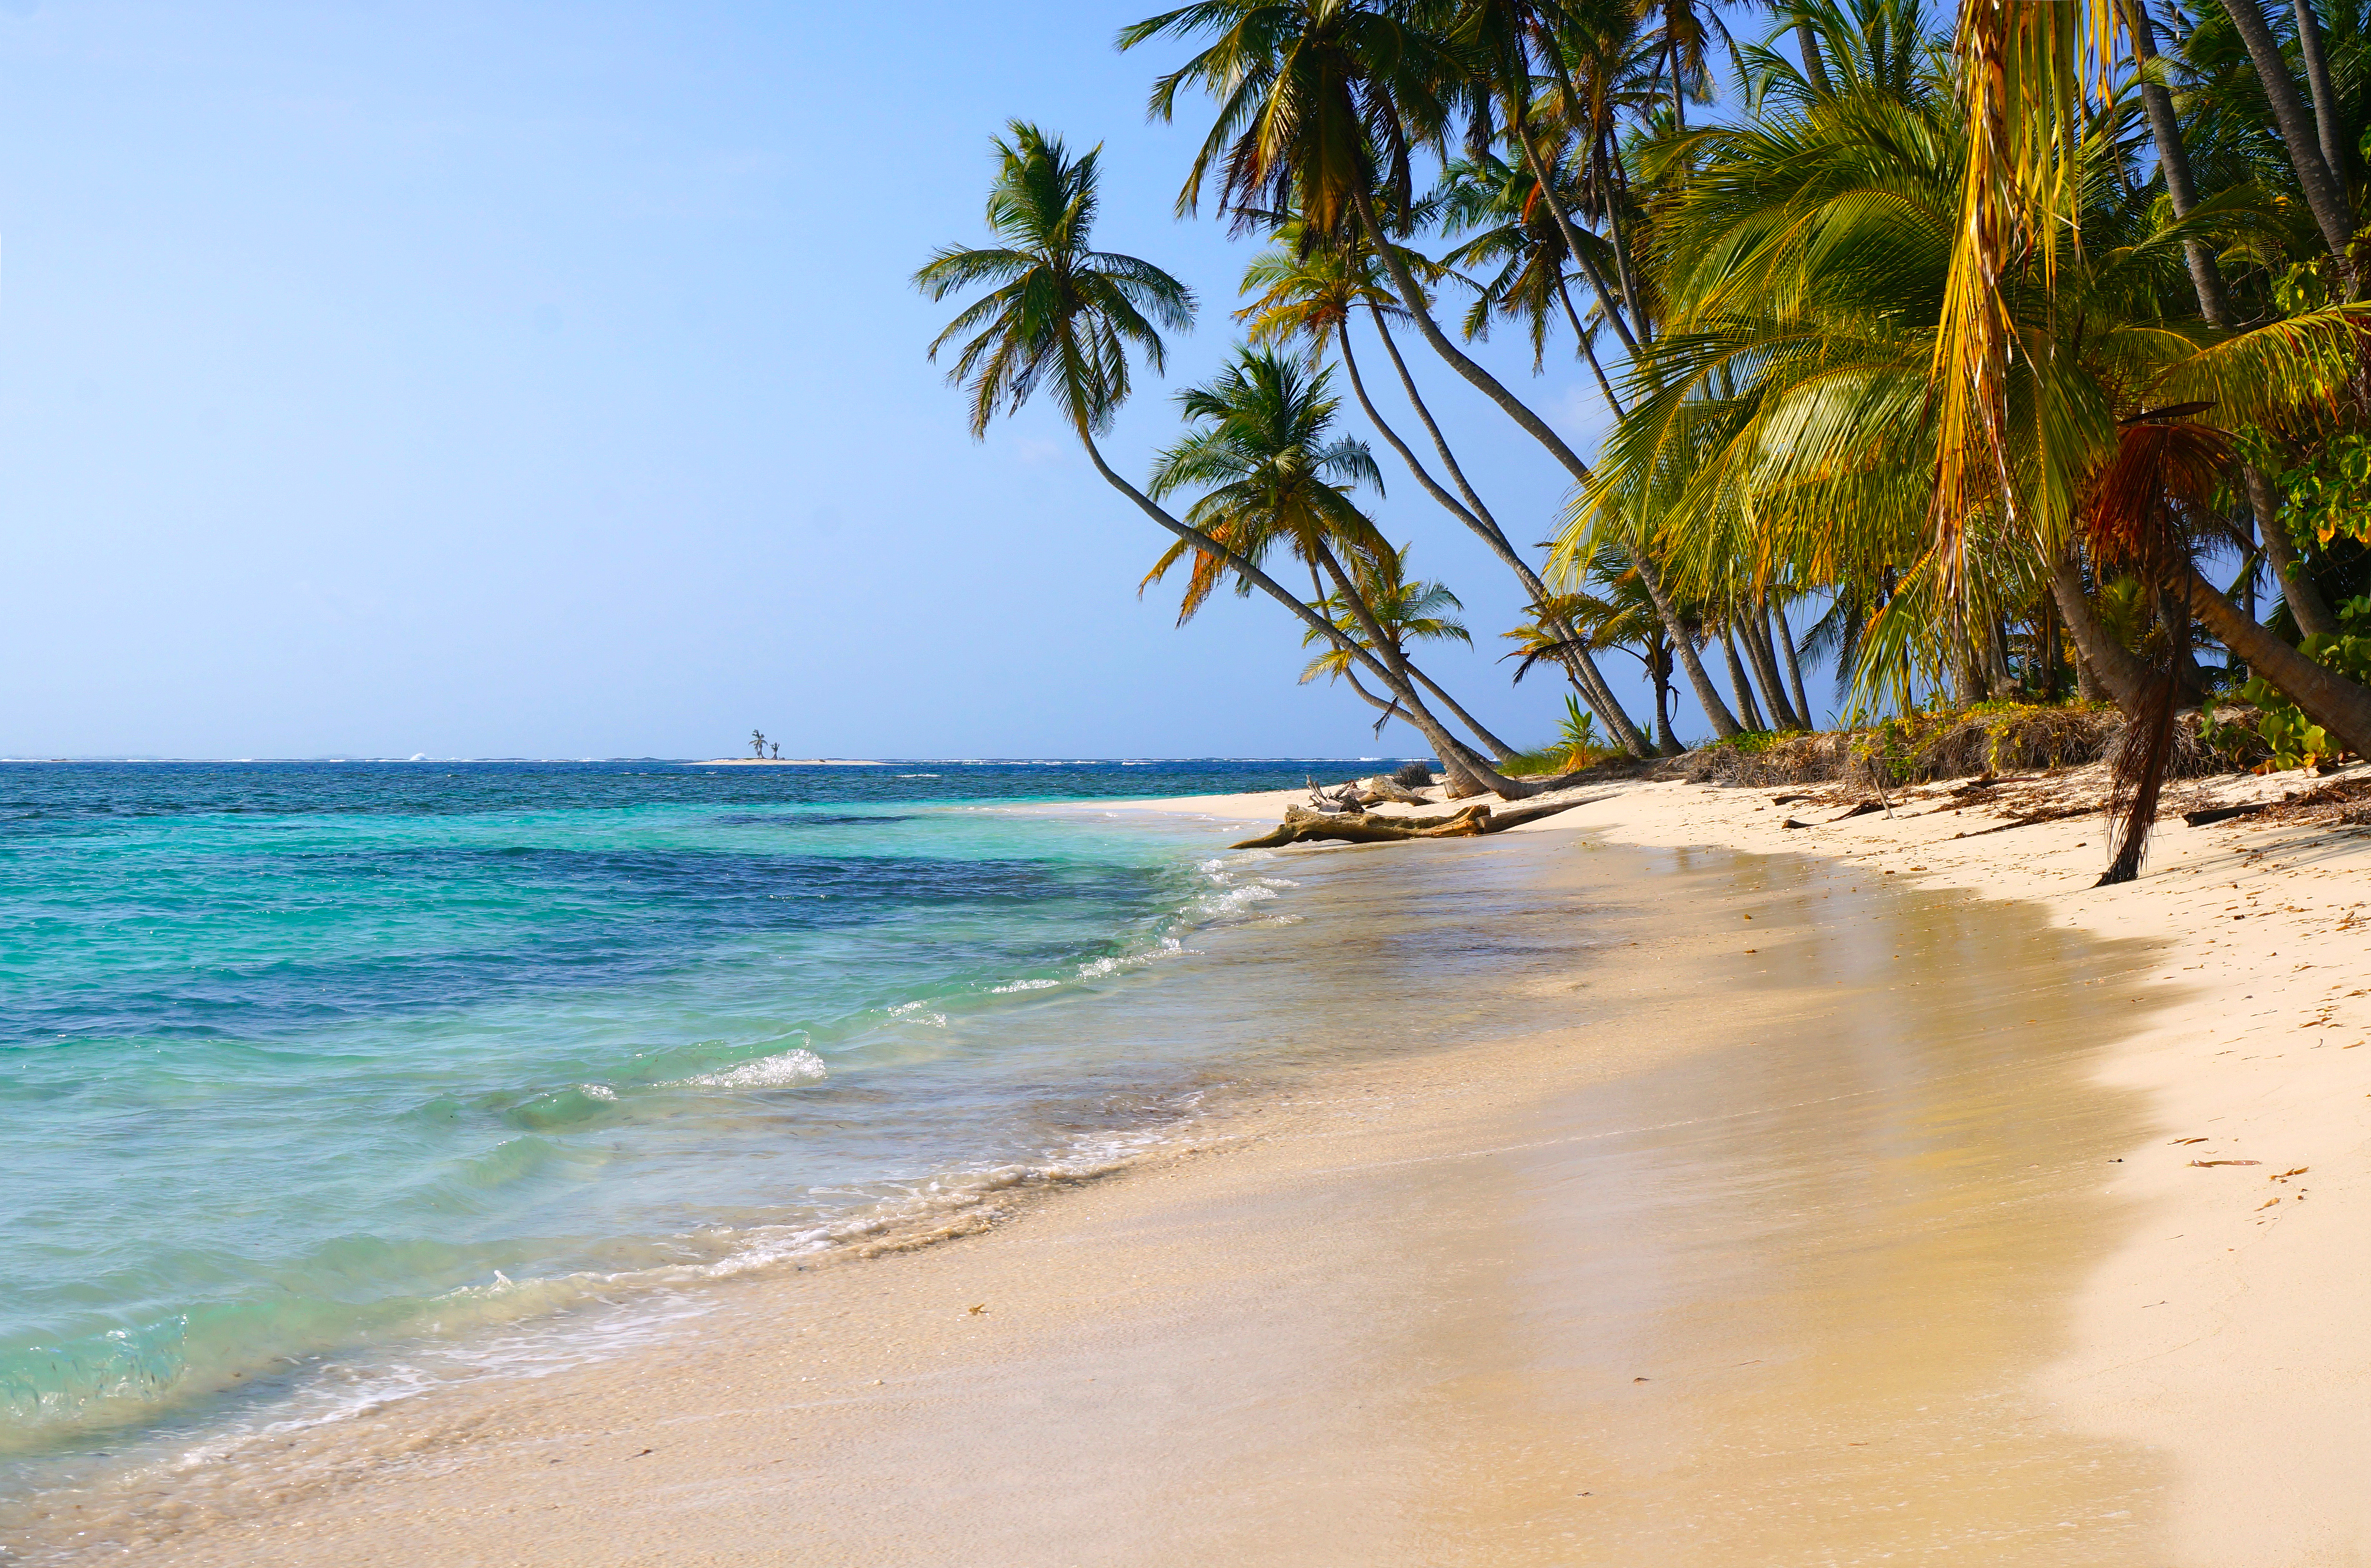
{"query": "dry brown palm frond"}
[(2128, 516)]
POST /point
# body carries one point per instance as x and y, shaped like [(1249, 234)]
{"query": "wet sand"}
[(1760, 1256)]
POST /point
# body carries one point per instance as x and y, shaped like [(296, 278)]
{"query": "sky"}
[(545, 380)]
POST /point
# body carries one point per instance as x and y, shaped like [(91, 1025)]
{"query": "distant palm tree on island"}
[(758, 745)]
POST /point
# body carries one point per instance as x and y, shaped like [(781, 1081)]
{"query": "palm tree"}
[(1062, 314), (1518, 236), (1311, 289), (1270, 476), (1407, 611), (1813, 264), (1615, 611), (1320, 103)]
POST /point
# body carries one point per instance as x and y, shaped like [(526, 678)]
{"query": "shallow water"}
[(1754, 1257), (301, 1060)]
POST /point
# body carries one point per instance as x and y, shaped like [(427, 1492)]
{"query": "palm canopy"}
[(1319, 103), (1408, 610), (1785, 423), (1513, 231), (1269, 474), (1057, 308), (1307, 288)]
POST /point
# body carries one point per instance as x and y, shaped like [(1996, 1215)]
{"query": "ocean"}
[(326, 1082)]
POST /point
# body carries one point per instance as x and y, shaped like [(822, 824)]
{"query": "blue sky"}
[(544, 380)]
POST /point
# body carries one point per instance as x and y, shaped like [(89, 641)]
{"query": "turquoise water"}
[(297, 1058)]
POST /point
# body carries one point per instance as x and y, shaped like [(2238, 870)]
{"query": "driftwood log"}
[(1386, 788), (1303, 826)]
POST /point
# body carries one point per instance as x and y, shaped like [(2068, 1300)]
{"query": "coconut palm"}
[(1311, 289), (1812, 265), (1066, 316), (1615, 611), (1407, 611), (1518, 236), (1321, 104)]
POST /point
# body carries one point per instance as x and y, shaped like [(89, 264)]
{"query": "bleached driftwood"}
[(1384, 787), (1303, 826)]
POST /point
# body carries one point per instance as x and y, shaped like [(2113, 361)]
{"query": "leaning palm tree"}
[(1062, 314), (1311, 289), (1813, 268), (1613, 613), (1272, 476), (1321, 104), (1512, 234), (1408, 611), (1270, 472)]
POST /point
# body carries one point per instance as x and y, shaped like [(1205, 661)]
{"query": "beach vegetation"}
[(2010, 365)]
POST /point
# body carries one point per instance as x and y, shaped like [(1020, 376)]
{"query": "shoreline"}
[(2222, 1328), (2223, 1385)]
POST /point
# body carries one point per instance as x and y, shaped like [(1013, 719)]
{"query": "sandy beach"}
[(1862, 1191)]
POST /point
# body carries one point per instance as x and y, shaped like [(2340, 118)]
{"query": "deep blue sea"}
[(301, 1058)]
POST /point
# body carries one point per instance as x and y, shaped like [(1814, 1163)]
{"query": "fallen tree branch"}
[(2055, 814), (2224, 813)]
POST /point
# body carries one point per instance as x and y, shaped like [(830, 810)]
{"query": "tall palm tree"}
[(1320, 104), (1311, 289), (1062, 315), (1812, 264), (1515, 234), (1271, 475)]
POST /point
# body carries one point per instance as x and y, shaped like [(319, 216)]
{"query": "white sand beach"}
[(1890, 1194)]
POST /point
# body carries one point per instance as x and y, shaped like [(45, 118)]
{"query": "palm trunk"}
[(2110, 663), (1741, 684), (1785, 637), (1815, 69), (1591, 682), (1658, 670), (2305, 601), (2045, 633), (2173, 159), (2214, 304), (1765, 660), (2323, 195), (2327, 697), (1432, 487), (2328, 109), (1996, 676), (1564, 226), (1597, 696), (1500, 750), (1454, 754), (2087, 681), (1624, 272), (1412, 297), (1724, 723), (2173, 615), (1587, 352), (1484, 776), (1391, 707)]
